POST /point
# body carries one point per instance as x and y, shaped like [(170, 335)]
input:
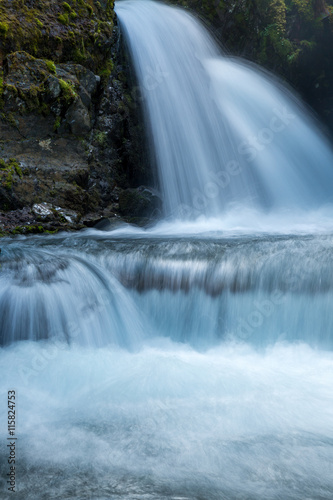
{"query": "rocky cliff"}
[(72, 144)]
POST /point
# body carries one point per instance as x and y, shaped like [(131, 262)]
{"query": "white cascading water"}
[(223, 132), (150, 364)]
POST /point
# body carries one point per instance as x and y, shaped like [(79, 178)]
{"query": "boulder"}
[(140, 202), (78, 118)]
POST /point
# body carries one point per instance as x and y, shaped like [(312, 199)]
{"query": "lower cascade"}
[(192, 360), (195, 291)]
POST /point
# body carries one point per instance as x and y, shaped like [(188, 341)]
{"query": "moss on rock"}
[(64, 116)]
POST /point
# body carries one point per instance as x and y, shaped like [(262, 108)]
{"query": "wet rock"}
[(10, 220), (54, 86), (48, 212), (85, 77), (67, 215), (140, 202), (109, 224), (77, 136), (91, 219), (41, 218), (9, 201), (78, 118), (102, 222), (43, 210)]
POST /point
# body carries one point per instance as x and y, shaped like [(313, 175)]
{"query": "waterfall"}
[(223, 131), (193, 360)]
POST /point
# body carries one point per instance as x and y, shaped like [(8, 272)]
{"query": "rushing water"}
[(223, 131), (178, 368), (193, 361)]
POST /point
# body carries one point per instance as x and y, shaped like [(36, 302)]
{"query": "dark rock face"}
[(78, 118), (140, 202), (71, 134), (44, 96), (79, 32)]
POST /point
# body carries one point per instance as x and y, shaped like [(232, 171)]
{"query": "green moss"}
[(66, 7), (4, 29), (305, 8), (51, 66), (7, 170), (11, 120), (307, 44), (18, 170), (33, 97), (56, 123), (8, 182), (21, 29), (106, 71), (79, 56), (29, 230), (68, 92), (63, 19), (13, 164), (110, 9), (100, 138)]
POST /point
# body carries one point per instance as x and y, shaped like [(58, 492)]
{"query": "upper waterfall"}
[(223, 131)]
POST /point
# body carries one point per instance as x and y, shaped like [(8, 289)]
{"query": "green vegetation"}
[(9, 118), (106, 71), (57, 123), (68, 91), (33, 229), (51, 66), (62, 38), (66, 7), (63, 19), (100, 138), (40, 41), (3, 29), (7, 170)]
